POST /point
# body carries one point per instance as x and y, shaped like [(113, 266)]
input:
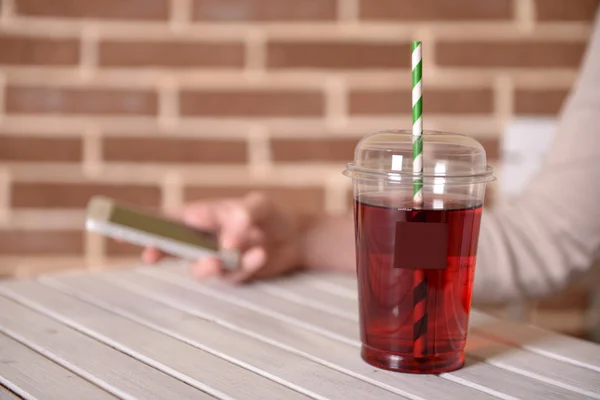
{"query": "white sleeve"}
[(537, 243)]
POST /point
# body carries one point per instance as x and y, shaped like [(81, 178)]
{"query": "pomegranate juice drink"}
[(416, 263)]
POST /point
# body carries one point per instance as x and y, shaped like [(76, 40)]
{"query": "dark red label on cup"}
[(421, 245)]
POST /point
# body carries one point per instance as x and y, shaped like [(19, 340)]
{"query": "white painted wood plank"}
[(329, 290), (474, 372), (566, 375), (261, 302), (310, 297), (196, 367), (508, 357), (300, 318), (289, 368), (346, 280), (6, 394), (547, 343), (549, 370), (96, 362), (328, 286), (205, 302), (32, 375)]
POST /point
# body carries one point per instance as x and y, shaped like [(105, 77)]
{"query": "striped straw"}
[(420, 280), (417, 111)]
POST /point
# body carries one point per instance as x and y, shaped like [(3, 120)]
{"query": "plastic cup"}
[(416, 263)]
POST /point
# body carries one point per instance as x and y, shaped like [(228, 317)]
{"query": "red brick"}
[(121, 249), (264, 10), (300, 150), (171, 54), (95, 9), (76, 195), (43, 149), (54, 100), (435, 10), (435, 101), (174, 150), (510, 54), (252, 103), (492, 147), (23, 243), (309, 199), (30, 50), (539, 102), (338, 55), (566, 10)]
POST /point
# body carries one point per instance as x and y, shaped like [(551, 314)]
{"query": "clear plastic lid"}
[(388, 155)]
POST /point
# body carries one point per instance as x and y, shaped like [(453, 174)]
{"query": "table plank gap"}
[(309, 297), (197, 299), (479, 372), (32, 375), (564, 375), (531, 338), (274, 362), (585, 352), (550, 344), (100, 364), (182, 281), (339, 328), (327, 286), (500, 354), (7, 394), (189, 364)]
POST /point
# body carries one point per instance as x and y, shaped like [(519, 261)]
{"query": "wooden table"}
[(153, 333)]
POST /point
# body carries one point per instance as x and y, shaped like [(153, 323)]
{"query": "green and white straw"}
[(417, 112), (420, 315)]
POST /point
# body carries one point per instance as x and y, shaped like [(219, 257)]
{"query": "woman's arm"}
[(537, 243)]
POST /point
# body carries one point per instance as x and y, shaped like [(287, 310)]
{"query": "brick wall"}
[(157, 102)]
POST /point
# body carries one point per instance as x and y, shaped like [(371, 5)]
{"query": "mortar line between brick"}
[(255, 54), (89, 52), (5, 195), (504, 90), (181, 14), (46, 219), (313, 32), (168, 113), (92, 152), (525, 15), (115, 78), (348, 10), (95, 250), (259, 152), (237, 128), (7, 10), (336, 103), (171, 191), (2, 96)]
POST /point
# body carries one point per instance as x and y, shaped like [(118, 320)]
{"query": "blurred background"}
[(159, 102)]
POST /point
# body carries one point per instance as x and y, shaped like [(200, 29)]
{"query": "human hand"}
[(267, 238)]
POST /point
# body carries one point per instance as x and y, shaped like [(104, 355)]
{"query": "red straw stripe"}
[(419, 314)]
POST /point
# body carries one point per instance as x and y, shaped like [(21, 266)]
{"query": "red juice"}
[(388, 315)]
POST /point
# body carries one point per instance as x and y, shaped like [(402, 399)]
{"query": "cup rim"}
[(358, 173)]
